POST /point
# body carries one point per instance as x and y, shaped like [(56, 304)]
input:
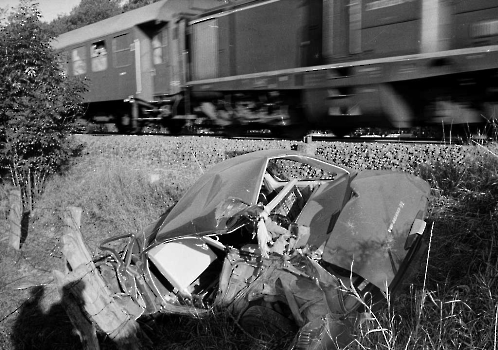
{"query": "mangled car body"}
[(280, 239)]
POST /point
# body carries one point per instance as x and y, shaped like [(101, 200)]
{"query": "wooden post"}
[(84, 286), (84, 327), (74, 249), (15, 216)]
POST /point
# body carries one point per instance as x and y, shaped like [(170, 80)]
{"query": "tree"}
[(58, 25), (134, 4), (87, 12), (39, 103)]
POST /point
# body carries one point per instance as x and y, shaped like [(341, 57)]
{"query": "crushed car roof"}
[(238, 177)]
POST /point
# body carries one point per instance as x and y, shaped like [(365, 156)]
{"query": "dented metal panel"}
[(370, 233)]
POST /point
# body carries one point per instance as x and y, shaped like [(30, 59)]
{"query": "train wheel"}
[(122, 122)]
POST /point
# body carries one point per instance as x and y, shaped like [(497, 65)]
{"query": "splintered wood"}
[(85, 296)]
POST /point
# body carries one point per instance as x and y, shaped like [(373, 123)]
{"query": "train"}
[(289, 66)]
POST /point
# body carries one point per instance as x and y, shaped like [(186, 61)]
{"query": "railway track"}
[(423, 135), (312, 138), (386, 139)]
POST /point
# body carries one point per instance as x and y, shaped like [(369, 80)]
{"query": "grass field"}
[(124, 183)]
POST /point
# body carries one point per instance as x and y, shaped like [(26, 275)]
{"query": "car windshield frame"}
[(240, 178)]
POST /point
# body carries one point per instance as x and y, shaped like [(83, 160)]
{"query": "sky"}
[(49, 8)]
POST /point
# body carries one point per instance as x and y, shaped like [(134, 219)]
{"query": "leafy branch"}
[(39, 103)]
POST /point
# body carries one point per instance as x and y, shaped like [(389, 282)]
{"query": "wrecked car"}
[(283, 240)]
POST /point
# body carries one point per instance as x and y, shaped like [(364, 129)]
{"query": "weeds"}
[(454, 304), (117, 196), (123, 183)]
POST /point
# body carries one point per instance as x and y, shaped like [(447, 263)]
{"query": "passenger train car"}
[(290, 65)]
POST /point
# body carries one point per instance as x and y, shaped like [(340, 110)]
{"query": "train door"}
[(143, 64), (98, 73), (335, 33), (123, 59), (205, 49), (161, 62), (176, 55), (311, 42)]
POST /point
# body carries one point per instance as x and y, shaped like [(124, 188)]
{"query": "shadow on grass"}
[(36, 328), (39, 329)]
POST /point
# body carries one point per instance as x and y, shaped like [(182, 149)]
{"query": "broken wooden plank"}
[(86, 285), (74, 249)]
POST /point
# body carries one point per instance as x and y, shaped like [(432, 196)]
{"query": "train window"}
[(160, 47), (121, 48), (98, 53), (287, 169), (63, 61), (78, 58)]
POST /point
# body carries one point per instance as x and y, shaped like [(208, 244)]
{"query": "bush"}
[(39, 103)]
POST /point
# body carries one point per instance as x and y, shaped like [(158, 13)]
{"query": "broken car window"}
[(286, 169)]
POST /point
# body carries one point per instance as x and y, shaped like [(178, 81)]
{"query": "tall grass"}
[(453, 304), (117, 196), (124, 183)]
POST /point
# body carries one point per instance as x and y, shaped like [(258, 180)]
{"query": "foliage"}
[(39, 103), (87, 12), (91, 11), (3, 13), (134, 4)]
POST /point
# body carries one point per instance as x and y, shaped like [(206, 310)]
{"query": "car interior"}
[(281, 195)]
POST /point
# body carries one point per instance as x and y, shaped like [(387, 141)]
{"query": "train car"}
[(387, 63), (258, 36), (136, 57), (291, 65)]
